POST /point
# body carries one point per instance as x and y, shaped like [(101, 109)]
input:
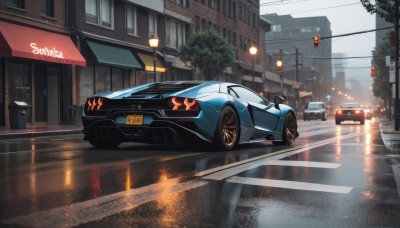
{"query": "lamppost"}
[(153, 41), (253, 52), (279, 69)]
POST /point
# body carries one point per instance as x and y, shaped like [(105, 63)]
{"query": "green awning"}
[(114, 56)]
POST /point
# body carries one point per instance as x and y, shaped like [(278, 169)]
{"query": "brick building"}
[(110, 43)]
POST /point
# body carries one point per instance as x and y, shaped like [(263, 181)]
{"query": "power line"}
[(326, 37)]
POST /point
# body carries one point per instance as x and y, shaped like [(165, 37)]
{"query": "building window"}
[(240, 13), (176, 34), (203, 24), (131, 25), (98, 79), (99, 12), (152, 24), (184, 3), (234, 10), (16, 3), (47, 8), (211, 4), (196, 23), (276, 28), (224, 7)]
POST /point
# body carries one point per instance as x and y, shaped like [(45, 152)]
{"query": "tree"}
[(209, 52), (384, 8), (381, 86)]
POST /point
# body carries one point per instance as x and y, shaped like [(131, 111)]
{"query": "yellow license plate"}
[(134, 120)]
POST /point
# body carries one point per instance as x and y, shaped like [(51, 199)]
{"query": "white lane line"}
[(290, 184), (96, 209), (224, 172), (285, 152), (309, 164)]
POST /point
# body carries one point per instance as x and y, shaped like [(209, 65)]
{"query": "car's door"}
[(265, 116)]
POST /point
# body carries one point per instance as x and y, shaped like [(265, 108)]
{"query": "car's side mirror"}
[(278, 100)]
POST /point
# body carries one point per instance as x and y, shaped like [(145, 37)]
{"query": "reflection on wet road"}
[(333, 176)]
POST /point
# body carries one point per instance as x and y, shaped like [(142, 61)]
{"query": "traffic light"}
[(372, 71), (316, 41), (279, 66)]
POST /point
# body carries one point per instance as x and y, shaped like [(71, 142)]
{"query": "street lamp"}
[(279, 69), (253, 52), (153, 41)]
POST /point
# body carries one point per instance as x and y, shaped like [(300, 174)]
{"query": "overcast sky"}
[(345, 16)]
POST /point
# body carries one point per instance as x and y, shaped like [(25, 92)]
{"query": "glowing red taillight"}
[(357, 111), (180, 103), (95, 103), (339, 111)]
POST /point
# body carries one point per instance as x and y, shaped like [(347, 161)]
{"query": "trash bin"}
[(18, 114)]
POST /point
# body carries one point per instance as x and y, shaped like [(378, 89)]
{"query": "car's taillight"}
[(94, 104), (180, 103), (357, 111), (339, 111)]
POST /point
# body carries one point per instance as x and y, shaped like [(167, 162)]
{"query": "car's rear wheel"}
[(289, 133), (337, 122), (362, 122), (227, 131)]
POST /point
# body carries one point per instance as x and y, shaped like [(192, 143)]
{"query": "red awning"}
[(25, 42)]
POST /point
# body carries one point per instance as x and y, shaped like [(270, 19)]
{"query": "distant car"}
[(315, 110), (350, 111), (367, 113), (223, 114)]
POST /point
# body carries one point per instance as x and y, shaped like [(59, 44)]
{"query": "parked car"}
[(350, 111), (221, 113), (315, 110)]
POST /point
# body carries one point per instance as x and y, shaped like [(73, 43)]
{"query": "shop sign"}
[(46, 51)]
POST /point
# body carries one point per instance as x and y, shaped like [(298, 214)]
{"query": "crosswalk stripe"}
[(290, 184), (309, 164)]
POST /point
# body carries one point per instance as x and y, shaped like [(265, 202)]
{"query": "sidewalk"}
[(37, 131), (390, 137)]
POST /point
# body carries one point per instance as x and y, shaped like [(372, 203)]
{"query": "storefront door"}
[(53, 104)]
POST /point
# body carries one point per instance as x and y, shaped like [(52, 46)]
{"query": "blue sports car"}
[(173, 112)]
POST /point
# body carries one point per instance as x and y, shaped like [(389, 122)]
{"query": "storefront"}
[(36, 67)]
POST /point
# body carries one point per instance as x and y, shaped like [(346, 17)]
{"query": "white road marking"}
[(304, 164), (290, 184), (96, 209), (223, 172)]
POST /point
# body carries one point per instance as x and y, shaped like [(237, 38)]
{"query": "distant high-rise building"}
[(314, 66)]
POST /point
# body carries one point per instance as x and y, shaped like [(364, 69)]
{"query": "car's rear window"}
[(314, 105), (350, 105)]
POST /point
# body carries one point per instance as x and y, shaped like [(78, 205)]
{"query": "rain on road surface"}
[(333, 176)]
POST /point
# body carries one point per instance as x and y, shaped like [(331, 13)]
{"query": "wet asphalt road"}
[(333, 176)]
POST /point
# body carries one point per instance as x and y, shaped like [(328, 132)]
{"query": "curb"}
[(39, 134)]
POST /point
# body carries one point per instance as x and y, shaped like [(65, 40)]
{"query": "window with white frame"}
[(152, 24), (131, 21), (176, 34), (99, 12)]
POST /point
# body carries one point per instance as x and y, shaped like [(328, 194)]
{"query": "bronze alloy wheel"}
[(290, 128), (229, 127)]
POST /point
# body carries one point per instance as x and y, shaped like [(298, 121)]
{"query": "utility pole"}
[(297, 80), (396, 63)]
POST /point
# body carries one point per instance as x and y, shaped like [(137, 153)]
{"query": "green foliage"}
[(384, 8), (381, 86), (209, 52)]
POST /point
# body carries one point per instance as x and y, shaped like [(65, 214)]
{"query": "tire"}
[(105, 141), (337, 122), (362, 122), (227, 130), (289, 132)]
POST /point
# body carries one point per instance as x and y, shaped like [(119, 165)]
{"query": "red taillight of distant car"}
[(339, 111)]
